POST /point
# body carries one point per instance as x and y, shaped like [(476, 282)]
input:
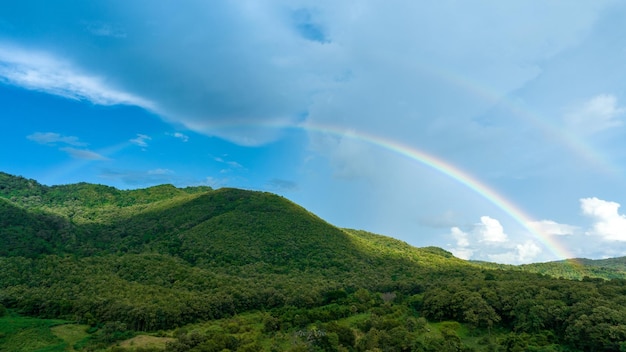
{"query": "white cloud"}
[(488, 241), (527, 251), (490, 230), (462, 243), (596, 114), (230, 163), (83, 154), (141, 140), (259, 64), (608, 224), (52, 138), (523, 253), (460, 237), (550, 227), (43, 72), (463, 253), (181, 136)]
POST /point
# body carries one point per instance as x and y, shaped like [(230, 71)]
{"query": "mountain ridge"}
[(124, 262)]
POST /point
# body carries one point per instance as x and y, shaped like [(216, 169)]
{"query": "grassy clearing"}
[(71, 333), (19, 334), (145, 341)]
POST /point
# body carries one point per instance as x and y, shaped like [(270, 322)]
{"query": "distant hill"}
[(578, 268), (127, 261), (572, 269)]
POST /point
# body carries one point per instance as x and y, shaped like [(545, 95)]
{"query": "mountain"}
[(578, 268), (164, 242), (572, 269), (262, 273)]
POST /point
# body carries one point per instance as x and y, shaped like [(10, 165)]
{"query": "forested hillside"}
[(574, 268), (252, 271)]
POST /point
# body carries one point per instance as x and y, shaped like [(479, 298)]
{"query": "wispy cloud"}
[(103, 29), (141, 140), (554, 228), (43, 72), (599, 113), (230, 163), (53, 138), (215, 182), (83, 154), (282, 185), (160, 172), (181, 136), (136, 178)]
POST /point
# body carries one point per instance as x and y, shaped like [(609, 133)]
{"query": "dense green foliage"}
[(574, 269), (163, 257), (28, 334)]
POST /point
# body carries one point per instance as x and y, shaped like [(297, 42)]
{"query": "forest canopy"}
[(264, 269)]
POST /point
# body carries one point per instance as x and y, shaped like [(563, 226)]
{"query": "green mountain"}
[(578, 268), (572, 269), (254, 271)]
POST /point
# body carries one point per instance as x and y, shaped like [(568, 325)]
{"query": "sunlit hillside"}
[(89, 267)]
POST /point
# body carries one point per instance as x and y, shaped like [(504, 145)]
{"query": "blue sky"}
[(294, 97)]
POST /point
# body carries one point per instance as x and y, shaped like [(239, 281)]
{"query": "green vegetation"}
[(89, 267), (573, 269), (29, 334)]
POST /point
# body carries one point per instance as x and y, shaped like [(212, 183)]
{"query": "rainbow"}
[(551, 130), (412, 153), (453, 172)]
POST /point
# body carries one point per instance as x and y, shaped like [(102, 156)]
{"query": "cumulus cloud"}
[(487, 240), (462, 243), (141, 140), (599, 113), (522, 253), (53, 138), (551, 227), (83, 154), (490, 230), (461, 237), (608, 223)]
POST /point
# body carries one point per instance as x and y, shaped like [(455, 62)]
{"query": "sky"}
[(492, 129)]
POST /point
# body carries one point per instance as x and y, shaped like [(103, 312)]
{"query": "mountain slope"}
[(163, 257), (176, 248), (571, 269), (611, 268)]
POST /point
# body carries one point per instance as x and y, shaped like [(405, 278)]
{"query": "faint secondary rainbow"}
[(569, 140), (453, 172)]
